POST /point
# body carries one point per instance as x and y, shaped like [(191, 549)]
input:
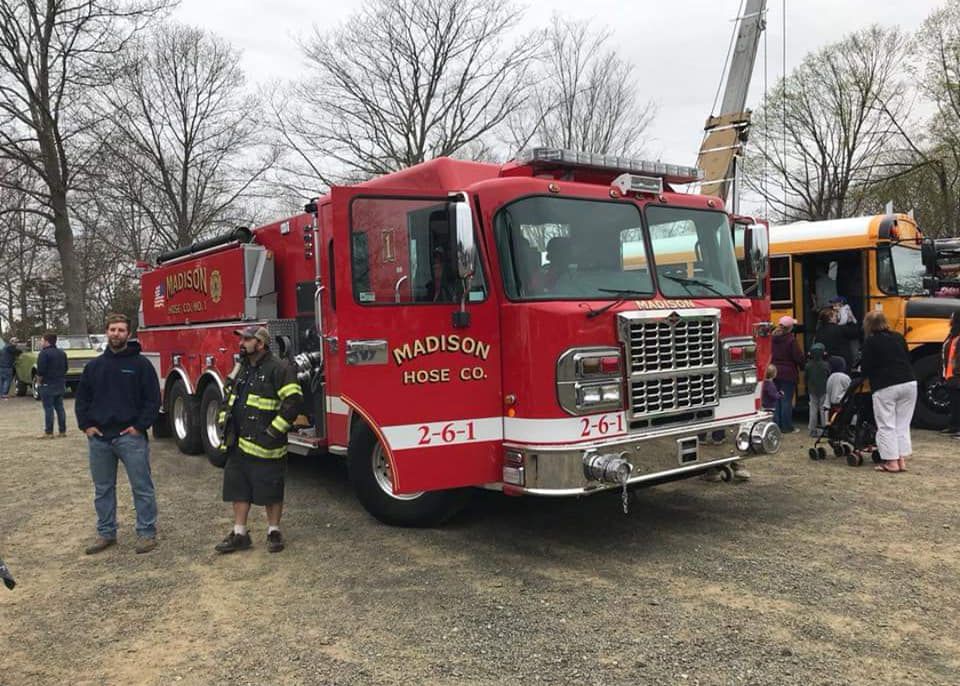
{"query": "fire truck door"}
[(430, 390)]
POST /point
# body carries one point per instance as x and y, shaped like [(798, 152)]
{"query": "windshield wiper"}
[(686, 281), (621, 296)]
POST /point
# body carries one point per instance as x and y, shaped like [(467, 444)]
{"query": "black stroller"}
[(851, 431)]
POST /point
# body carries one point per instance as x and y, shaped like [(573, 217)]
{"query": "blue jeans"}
[(6, 376), (134, 452), (53, 401), (783, 414)]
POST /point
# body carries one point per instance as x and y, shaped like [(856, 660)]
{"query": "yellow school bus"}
[(878, 267)]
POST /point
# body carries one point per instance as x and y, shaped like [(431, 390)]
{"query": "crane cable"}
[(766, 130), (783, 98)]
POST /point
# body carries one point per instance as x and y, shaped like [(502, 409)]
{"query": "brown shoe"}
[(145, 545), (275, 542), (99, 545)]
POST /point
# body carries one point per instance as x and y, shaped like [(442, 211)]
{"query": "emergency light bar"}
[(674, 173)]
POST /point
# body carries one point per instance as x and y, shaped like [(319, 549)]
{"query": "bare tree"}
[(54, 55), (827, 126), (585, 96), (401, 82), (187, 136), (937, 50)]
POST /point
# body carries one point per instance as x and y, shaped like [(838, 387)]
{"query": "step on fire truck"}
[(560, 325)]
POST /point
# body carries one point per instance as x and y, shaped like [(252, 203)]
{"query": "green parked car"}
[(79, 350)]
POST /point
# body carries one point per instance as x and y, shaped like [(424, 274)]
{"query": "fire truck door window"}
[(404, 251), (563, 248)]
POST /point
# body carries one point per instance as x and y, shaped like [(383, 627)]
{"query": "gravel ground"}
[(812, 573)]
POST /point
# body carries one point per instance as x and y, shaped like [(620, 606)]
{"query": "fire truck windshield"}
[(554, 248), (693, 252)]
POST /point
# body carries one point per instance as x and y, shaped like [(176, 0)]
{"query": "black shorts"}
[(253, 480)]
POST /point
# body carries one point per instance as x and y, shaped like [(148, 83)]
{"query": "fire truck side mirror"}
[(756, 245), (462, 218)]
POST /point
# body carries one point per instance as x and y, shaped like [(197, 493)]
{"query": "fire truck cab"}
[(561, 325)]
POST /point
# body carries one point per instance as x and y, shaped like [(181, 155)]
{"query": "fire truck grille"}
[(673, 394), (662, 345), (673, 363)]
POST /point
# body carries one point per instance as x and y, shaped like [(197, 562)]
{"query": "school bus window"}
[(780, 283)]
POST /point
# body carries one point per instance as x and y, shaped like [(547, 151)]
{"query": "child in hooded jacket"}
[(817, 371)]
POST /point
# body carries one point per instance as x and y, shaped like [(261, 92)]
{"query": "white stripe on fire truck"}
[(441, 434), (545, 432)]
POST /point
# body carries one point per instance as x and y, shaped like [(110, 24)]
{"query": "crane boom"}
[(725, 133)]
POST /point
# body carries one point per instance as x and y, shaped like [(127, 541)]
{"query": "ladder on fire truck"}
[(725, 133)]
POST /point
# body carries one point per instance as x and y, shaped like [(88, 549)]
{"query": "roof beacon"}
[(632, 183), (560, 157)]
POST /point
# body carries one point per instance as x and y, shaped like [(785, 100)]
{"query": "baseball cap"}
[(786, 320), (254, 331)]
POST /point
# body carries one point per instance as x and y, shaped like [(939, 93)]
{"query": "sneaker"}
[(275, 542), (950, 430), (45, 436), (145, 545), (234, 542), (99, 545), (62, 434)]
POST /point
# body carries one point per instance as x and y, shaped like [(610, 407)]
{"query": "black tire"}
[(429, 508), (854, 460), (933, 403), (34, 387), (184, 412), (822, 453), (21, 388), (210, 401), (813, 454)]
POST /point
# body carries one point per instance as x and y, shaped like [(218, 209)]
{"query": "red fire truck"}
[(560, 325)]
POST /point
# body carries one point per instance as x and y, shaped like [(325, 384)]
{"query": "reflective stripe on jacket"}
[(951, 370), (273, 397)]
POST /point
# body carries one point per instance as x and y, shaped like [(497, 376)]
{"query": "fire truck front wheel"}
[(369, 472), (184, 414)]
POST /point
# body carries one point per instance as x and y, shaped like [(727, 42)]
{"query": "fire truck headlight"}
[(610, 393), (591, 395)]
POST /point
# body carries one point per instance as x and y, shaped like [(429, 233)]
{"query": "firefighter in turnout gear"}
[(262, 402)]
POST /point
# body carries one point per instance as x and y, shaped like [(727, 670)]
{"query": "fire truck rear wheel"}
[(210, 401), (184, 414), (367, 467)]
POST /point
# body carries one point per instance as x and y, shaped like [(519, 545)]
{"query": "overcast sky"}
[(677, 47)]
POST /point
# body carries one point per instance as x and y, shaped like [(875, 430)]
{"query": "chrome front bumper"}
[(654, 457)]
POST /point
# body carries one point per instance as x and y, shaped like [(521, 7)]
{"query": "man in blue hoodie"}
[(117, 401), (51, 377)]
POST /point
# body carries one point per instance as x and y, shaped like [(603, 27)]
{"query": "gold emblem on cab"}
[(216, 286)]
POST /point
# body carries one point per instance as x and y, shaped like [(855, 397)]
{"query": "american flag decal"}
[(159, 295)]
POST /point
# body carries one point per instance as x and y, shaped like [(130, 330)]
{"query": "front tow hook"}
[(609, 468)]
